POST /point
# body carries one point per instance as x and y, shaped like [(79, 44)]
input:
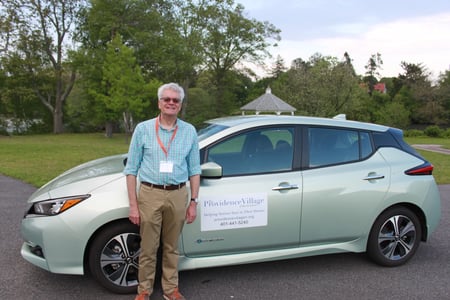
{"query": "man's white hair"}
[(171, 86)]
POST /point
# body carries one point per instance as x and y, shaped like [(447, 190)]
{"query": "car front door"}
[(256, 204)]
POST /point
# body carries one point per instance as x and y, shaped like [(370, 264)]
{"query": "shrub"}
[(446, 133), (413, 133), (433, 131)]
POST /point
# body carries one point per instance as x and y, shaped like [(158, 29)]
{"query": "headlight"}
[(56, 206)]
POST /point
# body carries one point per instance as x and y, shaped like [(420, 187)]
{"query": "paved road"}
[(432, 148), (343, 276)]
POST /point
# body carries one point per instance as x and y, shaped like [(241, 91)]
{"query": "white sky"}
[(414, 31)]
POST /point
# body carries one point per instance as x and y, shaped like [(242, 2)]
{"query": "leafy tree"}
[(201, 106), (230, 38), (165, 36), (393, 114), (348, 62), (322, 86), (123, 87), (372, 71), (184, 54), (423, 102), (278, 67), (443, 94), (138, 22), (38, 32), (18, 102)]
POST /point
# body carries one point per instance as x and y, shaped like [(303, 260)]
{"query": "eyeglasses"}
[(168, 100)]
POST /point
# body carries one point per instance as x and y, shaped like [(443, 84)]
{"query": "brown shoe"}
[(142, 296), (174, 296)]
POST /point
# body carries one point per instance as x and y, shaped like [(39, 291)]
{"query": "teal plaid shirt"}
[(145, 154)]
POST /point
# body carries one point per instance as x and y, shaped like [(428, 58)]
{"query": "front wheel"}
[(114, 257), (394, 237)]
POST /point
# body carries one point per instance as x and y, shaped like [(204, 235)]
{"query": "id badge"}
[(165, 166)]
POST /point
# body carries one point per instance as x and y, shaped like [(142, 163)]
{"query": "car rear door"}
[(344, 184)]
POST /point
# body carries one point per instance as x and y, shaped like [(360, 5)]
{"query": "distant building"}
[(380, 87), (268, 102)]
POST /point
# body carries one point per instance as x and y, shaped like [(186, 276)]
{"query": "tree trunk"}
[(58, 125), (109, 129)]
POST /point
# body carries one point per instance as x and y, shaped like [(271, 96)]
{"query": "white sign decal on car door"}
[(234, 211)]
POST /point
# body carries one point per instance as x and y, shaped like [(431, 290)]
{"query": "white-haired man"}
[(164, 151)]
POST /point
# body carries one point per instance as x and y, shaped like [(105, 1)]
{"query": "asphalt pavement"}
[(342, 276)]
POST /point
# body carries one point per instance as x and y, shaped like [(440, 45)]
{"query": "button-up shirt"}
[(146, 154)]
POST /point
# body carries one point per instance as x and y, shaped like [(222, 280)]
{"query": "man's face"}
[(169, 103)]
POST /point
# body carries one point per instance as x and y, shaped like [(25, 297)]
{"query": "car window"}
[(329, 146), (366, 144), (252, 152)]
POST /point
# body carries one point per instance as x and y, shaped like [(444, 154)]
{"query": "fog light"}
[(37, 250)]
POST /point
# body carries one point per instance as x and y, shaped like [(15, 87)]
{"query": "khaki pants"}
[(161, 212)]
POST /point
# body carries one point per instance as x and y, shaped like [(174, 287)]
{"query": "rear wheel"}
[(395, 237), (114, 257)]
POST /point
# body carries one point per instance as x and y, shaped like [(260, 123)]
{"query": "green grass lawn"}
[(39, 158)]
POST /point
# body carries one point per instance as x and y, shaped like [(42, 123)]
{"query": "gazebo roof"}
[(268, 102)]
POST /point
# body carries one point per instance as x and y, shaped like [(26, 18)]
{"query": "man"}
[(165, 152)]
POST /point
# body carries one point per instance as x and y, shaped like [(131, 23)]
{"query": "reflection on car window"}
[(209, 130), (329, 146), (253, 152)]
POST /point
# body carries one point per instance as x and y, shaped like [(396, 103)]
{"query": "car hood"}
[(82, 179)]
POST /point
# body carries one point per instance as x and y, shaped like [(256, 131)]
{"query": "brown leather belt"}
[(164, 187)]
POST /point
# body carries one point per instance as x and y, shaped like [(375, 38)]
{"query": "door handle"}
[(285, 187), (374, 177)]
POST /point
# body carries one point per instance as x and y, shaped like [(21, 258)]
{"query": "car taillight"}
[(425, 169)]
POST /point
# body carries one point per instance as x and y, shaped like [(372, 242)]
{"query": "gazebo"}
[(268, 102)]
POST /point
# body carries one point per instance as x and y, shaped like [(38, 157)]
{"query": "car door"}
[(344, 183), (256, 204)]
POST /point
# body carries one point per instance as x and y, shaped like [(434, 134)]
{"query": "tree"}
[(423, 103), (443, 93), (123, 88), (140, 24), (39, 33), (165, 36), (184, 54), (322, 86), (230, 38), (393, 114), (278, 67), (372, 71), (18, 100)]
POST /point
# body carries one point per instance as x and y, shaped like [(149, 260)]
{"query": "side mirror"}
[(211, 170)]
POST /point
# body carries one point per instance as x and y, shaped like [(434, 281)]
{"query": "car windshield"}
[(209, 130)]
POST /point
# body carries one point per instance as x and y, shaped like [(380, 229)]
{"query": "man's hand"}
[(191, 212), (134, 215)]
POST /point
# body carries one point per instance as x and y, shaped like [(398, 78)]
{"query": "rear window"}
[(398, 136), (331, 146), (393, 138), (385, 139)]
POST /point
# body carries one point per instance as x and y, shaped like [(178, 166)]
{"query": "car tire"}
[(114, 257), (394, 237)]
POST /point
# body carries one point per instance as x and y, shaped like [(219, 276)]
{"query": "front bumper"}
[(52, 245)]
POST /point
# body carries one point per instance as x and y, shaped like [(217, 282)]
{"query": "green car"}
[(272, 188)]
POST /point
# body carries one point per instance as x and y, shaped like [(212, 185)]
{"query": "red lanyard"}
[(166, 151)]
